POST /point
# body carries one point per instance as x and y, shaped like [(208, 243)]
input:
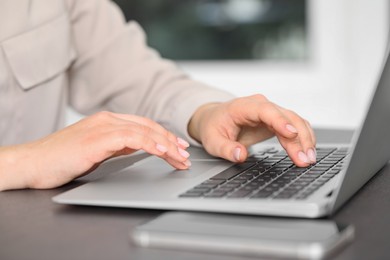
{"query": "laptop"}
[(266, 184)]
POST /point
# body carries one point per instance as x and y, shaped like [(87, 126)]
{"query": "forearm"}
[(15, 167)]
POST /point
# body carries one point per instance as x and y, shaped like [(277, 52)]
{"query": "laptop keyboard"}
[(271, 174)]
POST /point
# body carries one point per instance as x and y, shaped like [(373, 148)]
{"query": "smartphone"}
[(244, 235)]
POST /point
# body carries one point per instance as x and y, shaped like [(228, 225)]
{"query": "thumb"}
[(227, 149), (240, 153)]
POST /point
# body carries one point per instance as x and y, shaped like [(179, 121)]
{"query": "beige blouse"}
[(82, 53)]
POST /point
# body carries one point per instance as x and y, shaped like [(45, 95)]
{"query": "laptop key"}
[(199, 189), (215, 194), (261, 195), (224, 189), (191, 195), (217, 182), (231, 185), (238, 181), (283, 196), (239, 194), (334, 171), (206, 185)]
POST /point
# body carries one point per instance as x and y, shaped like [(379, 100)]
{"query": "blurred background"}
[(320, 58), (223, 29)]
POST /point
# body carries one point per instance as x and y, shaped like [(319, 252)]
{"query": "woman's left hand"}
[(227, 129)]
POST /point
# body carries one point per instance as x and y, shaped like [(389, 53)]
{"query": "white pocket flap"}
[(40, 54)]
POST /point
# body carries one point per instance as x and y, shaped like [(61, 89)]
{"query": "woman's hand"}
[(81, 147), (227, 129)]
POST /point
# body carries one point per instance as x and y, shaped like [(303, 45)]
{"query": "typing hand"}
[(81, 147), (227, 129)]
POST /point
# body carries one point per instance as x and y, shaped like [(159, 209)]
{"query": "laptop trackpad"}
[(156, 168)]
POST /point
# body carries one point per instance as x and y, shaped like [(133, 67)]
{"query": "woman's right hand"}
[(78, 149)]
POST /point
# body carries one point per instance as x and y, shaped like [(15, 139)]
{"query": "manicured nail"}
[(161, 148), (312, 155), (183, 153), (302, 156), (187, 163), (183, 142), (237, 153), (291, 128)]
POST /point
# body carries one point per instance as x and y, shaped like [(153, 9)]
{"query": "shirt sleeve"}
[(115, 70)]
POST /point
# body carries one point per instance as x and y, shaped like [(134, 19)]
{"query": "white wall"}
[(348, 39)]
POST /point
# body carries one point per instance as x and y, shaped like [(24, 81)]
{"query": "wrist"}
[(195, 123), (13, 171)]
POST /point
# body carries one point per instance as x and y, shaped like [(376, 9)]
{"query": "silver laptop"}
[(267, 184)]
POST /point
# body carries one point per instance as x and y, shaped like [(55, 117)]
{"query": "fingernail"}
[(236, 154), (161, 148), (291, 128), (302, 156), (187, 163), (312, 155), (183, 142), (183, 153)]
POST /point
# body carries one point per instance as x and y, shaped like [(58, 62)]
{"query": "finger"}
[(174, 163), (126, 139), (169, 148), (221, 146), (314, 142), (172, 149), (252, 135), (157, 127), (257, 112), (179, 165), (129, 120), (295, 151), (305, 136), (313, 136)]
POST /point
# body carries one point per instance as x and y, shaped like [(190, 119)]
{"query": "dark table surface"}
[(34, 227)]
